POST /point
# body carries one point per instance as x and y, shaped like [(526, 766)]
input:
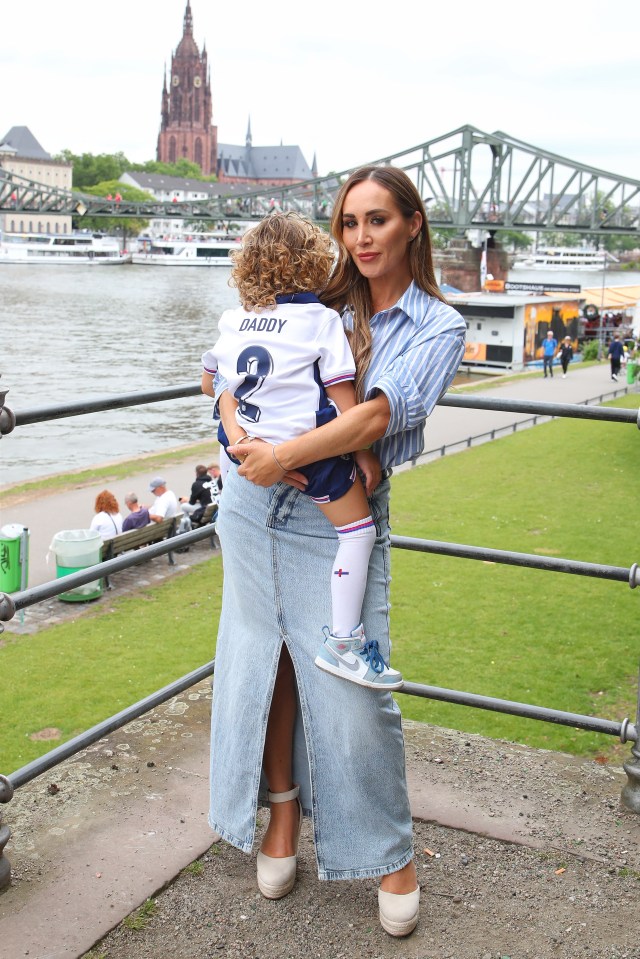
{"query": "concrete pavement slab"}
[(101, 833)]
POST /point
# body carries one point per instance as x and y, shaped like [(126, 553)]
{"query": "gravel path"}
[(481, 899), (559, 880)]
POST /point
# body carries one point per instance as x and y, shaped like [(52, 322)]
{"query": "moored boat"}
[(570, 258), (88, 249), (208, 249)]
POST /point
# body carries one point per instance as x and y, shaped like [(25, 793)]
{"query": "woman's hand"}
[(369, 465), (259, 466)]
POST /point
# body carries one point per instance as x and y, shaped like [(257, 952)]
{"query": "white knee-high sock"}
[(349, 576)]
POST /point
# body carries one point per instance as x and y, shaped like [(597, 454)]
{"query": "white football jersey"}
[(276, 363)]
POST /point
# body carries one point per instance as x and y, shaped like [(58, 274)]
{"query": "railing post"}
[(7, 416), (630, 796), (6, 792)]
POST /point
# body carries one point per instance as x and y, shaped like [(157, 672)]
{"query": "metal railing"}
[(477, 438), (625, 730), (9, 419)]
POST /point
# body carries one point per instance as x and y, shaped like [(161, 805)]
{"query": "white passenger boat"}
[(208, 249), (570, 258), (93, 249)]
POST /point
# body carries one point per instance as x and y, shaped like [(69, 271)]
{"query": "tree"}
[(181, 168), (441, 237), (90, 169), (514, 240), (125, 226)]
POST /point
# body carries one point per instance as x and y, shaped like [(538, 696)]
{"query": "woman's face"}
[(375, 232)]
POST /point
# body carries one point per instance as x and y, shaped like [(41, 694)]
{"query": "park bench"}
[(135, 538), (208, 518)]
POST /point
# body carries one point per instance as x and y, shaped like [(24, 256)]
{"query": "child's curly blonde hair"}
[(284, 253)]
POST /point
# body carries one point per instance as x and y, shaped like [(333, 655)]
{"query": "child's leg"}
[(356, 535), (347, 652)]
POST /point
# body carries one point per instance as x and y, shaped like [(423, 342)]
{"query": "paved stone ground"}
[(521, 854)]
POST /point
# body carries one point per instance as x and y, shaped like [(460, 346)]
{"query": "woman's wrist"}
[(277, 461), (282, 456)]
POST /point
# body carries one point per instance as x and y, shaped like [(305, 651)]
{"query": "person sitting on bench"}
[(138, 515)]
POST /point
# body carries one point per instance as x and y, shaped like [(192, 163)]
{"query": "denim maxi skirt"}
[(278, 552)]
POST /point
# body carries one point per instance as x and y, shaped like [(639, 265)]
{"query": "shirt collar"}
[(413, 303), (297, 298)]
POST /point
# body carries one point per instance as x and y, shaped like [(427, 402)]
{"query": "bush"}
[(590, 350)]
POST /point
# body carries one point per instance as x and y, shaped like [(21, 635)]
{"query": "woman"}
[(565, 354), (329, 749), (107, 521)]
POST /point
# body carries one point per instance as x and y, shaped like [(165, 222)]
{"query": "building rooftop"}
[(21, 141), (263, 163), (162, 183)]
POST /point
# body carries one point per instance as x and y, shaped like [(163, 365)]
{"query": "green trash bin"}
[(632, 372), (14, 557), (75, 550)]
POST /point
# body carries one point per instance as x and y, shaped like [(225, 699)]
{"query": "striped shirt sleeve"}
[(416, 379), (417, 346)]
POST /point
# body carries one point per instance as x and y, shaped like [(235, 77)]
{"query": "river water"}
[(68, 332)]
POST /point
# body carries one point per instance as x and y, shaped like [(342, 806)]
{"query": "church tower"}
[(185, 128)]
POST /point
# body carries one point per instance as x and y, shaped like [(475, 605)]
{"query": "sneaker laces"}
[(372, 655)]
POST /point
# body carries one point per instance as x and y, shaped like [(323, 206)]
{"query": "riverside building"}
[(20, 153)]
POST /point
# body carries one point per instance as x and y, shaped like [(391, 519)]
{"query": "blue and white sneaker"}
[(357, 659)]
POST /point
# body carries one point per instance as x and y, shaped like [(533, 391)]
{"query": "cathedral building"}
[(186, 130)]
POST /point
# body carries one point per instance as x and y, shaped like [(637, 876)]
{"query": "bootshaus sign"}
[(541, 288)]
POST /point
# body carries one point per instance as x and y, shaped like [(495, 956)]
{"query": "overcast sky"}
[(349, 81)]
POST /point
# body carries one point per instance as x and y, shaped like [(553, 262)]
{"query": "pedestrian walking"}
[(549, 347), (565, 354), (615, 354)]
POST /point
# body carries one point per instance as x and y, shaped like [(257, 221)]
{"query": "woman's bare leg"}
[(401, 882), (281, 835)]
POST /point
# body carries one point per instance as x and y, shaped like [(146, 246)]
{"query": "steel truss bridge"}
[(468, 180)]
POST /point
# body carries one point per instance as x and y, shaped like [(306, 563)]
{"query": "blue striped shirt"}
[(417, 345)]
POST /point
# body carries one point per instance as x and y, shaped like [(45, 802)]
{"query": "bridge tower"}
[(186, 130)]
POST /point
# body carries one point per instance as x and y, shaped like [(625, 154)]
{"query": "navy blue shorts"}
[(329, 479)]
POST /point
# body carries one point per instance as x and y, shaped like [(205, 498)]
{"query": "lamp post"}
[(604, 281)]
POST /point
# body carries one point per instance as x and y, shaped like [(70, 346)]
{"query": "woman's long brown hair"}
[(348, 288)]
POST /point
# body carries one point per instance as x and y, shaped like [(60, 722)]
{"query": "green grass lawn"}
[(567, 488), (72, 676)]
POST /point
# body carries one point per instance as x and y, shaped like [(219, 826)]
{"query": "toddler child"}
[(285, 360)]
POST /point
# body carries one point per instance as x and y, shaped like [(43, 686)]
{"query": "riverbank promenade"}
[(521, 853)]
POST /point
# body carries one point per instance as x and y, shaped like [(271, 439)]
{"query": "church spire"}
[(248, 141), (186, 129), (188, 19)]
